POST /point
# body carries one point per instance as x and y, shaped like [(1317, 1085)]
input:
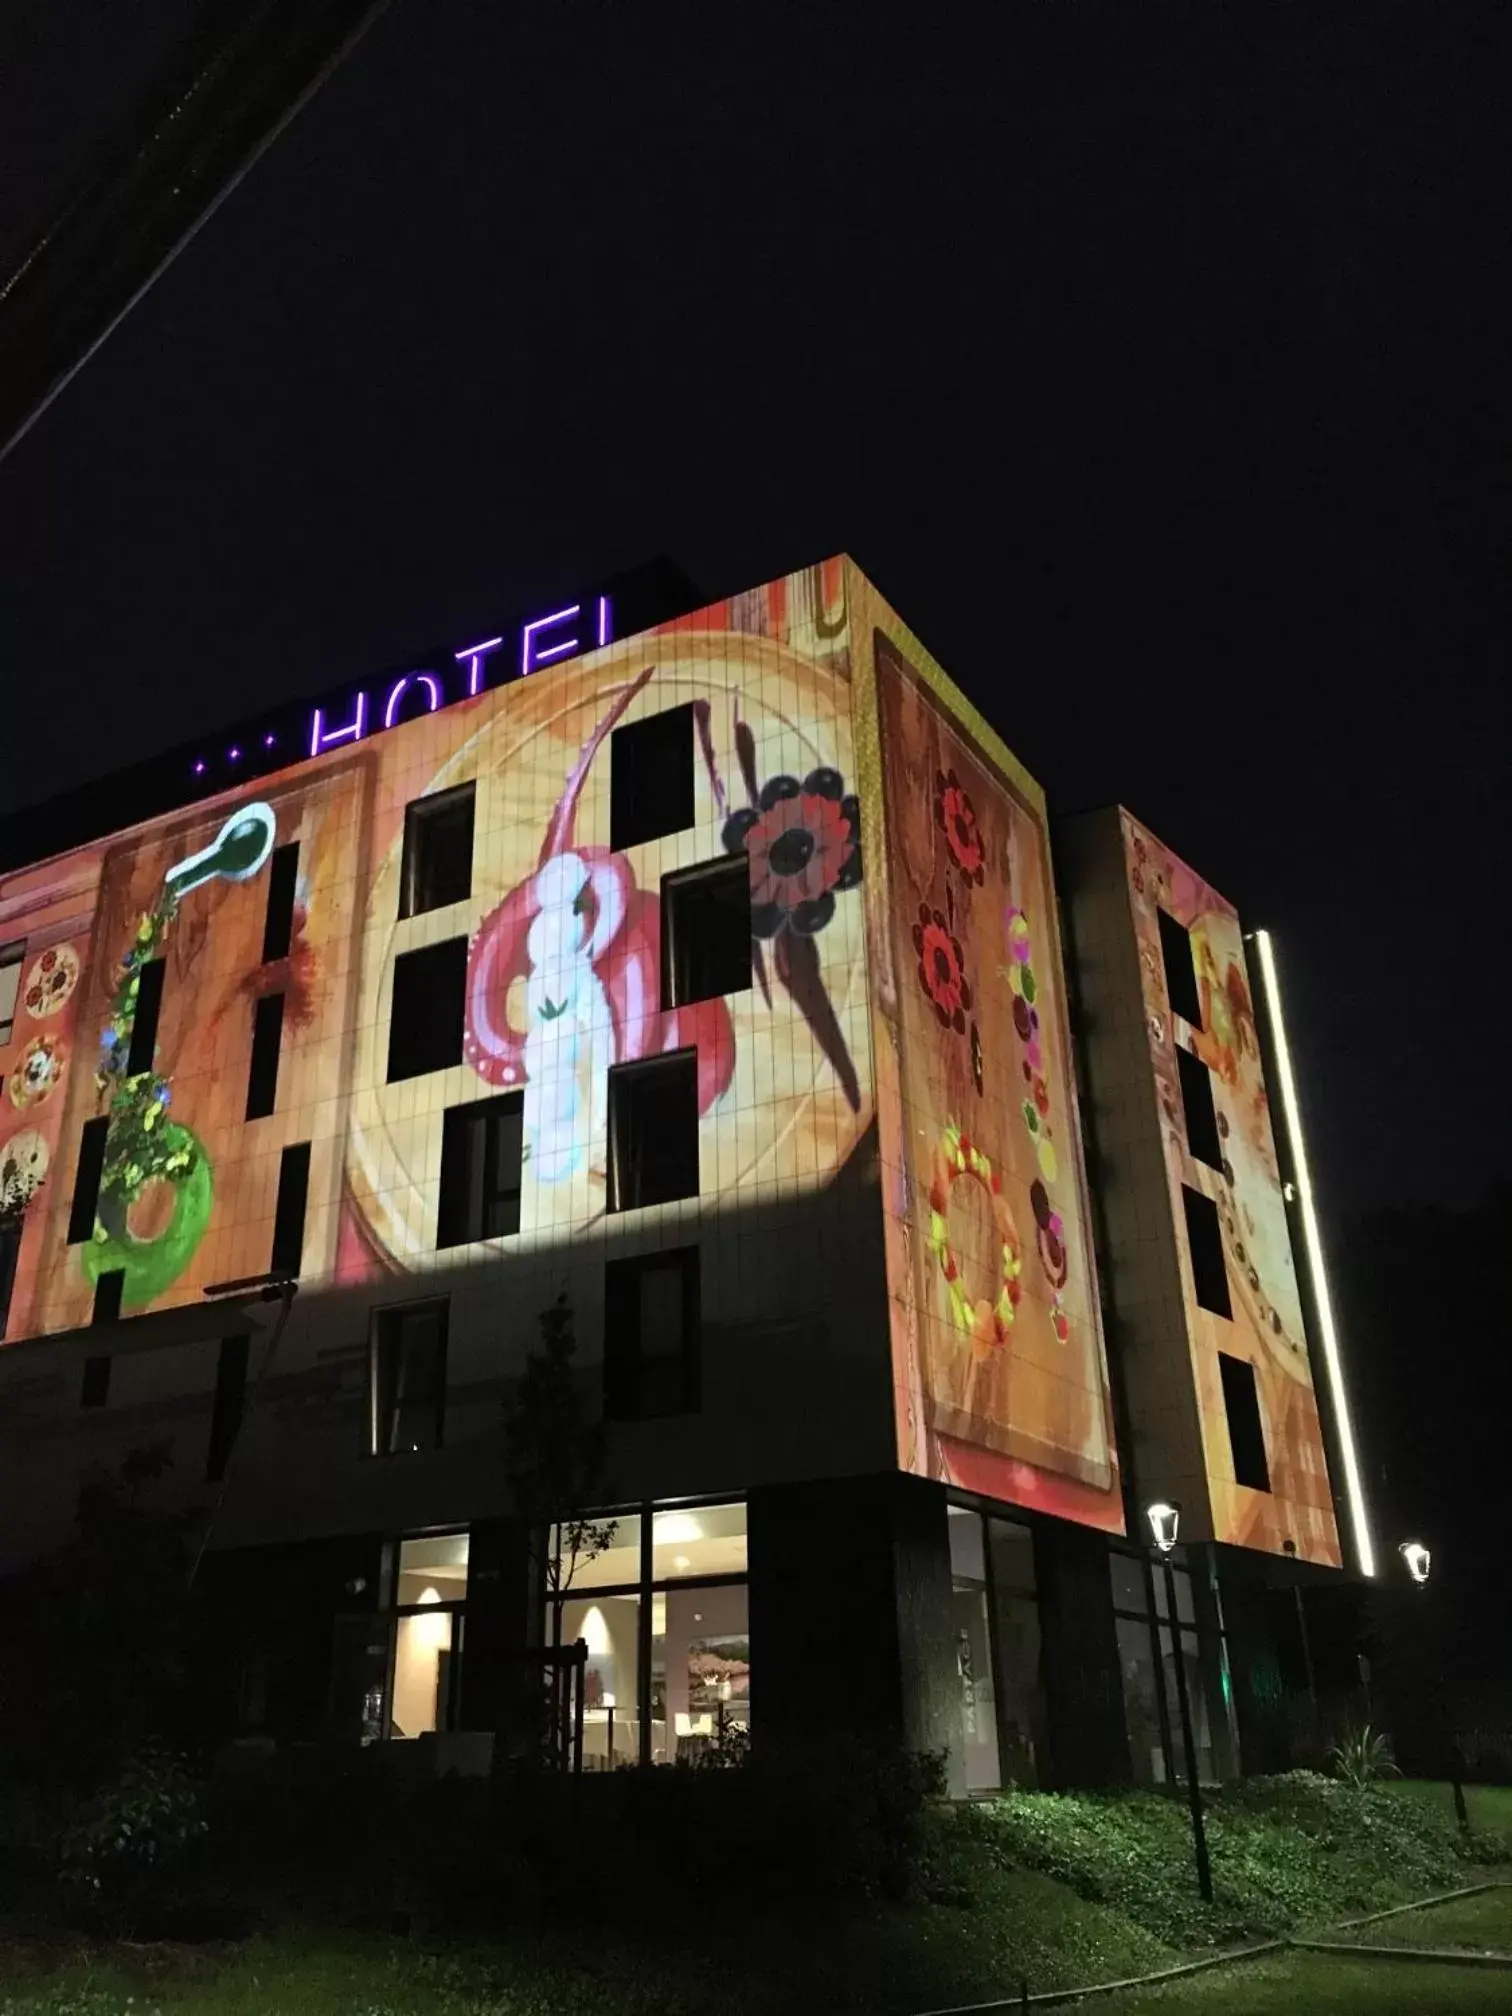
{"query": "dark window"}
[(651, 1335), (278, 924), (706, 932), (94, 1389), (267, 1038), (11, 958), (107, 1297), (407, 1378), (1180, 969), (425, 1020), (1197, 1104), (1205, 1244), (230, 1401), (482, 1148), (10, 1248), (438, 849), (651, 778), (289, 1212), (653, 1131), (144, 1021), (1241, 1402), (91, 1166)]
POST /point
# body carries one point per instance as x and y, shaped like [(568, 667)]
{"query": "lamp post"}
[(1289, 1549), (1418, 1561), (1164, 1520)]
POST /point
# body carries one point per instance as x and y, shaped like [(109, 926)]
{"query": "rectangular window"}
[(438, 851), (701, 1540), (1201, 1113), (94, 1389), (651, 1326), (651, 778), (107, 1297), (1241, 1403), (91, 1166), (1205, 1245), (144, 1021), (278, 923), (12, 957), (425, 1018), (706, 932), (1180, 969), (653, 1131), (230, 1403), (482, 1153), (406, 1378), (976, 1692), (289, 1212), (613, 1567), (10, 1251), (267, 1039)]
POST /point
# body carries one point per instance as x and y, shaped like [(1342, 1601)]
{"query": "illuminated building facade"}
[(704, 979)]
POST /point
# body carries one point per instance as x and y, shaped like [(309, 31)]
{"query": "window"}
[(289, 1211), (651, 778), (663, 1614), (425, 1019), (107, 1297), (91, 1166), (482, 1153), (706, 932), (430, 1589), (11, 957), (1147, 1656), (1241, 1403), (1197, 1104), (651, 1356), (438, 850), (1180, 969), (653, 1131), (407, 1378), (144, 1021), (230, 1404), (94, 1389), (278, 924), (971, 1629), (1205, 1244), (10, 1249), (267, 1039), (1014, 1610)]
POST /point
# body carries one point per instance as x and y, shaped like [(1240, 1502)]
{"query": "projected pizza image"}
[(998, 1351)]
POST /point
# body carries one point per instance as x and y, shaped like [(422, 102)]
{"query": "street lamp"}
[(1419, 1560), (1165, 1520)]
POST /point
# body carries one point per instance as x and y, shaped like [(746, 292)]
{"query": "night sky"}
[(1158, 379)]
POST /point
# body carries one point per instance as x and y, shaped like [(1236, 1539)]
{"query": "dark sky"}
[(1160, 379)]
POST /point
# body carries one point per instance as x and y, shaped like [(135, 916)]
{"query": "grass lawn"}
[(1471, 1924), (1489, 1806), (1319, 1984)]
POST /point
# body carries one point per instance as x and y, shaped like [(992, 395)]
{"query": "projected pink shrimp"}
[(587, 943)]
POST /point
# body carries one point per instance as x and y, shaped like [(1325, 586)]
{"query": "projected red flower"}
[(957, 815), (942, 969)]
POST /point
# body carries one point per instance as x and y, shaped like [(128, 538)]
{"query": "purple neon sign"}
[(545, 640)]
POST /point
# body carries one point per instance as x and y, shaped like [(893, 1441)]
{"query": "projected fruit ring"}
[(962, 1174), (564, 960)]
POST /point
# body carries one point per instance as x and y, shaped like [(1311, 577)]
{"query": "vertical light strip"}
[(1364, 1547)]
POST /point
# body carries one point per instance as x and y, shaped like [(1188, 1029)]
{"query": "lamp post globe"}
[(1165, 1523), (1419, 1560)]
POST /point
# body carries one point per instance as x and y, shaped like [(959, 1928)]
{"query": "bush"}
[(1362, 1756), (1284, 1851), (124, 1848)]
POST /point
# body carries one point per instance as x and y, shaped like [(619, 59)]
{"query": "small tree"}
[(554, 1458)]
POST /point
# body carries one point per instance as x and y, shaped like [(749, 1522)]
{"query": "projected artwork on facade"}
[(563, 966), (998, 1353), (1238, 1173)]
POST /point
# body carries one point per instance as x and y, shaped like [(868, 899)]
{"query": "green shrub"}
[(133, 1837), (1285, 1851), (1363, 1756)]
